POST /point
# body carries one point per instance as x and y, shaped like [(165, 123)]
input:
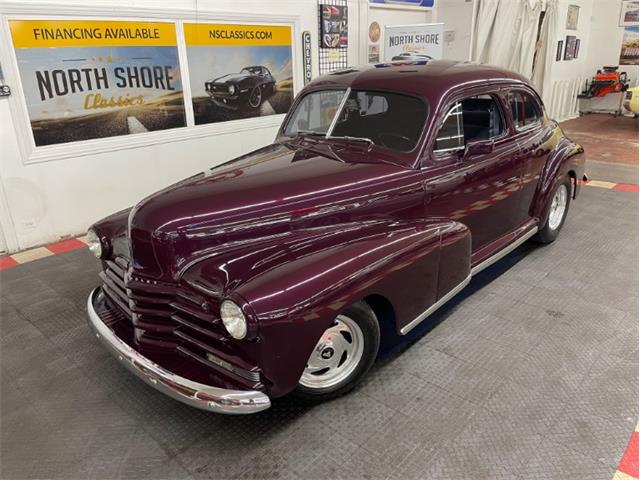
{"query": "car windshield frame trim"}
[(339, 110), (414, 152)]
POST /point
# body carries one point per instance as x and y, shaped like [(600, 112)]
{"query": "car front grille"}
[(212, 87), (175, 317)]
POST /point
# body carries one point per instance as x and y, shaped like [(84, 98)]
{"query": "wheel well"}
[(574, 184), (384, 311)]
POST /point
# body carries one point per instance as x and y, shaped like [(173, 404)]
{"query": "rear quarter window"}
[(524, 109)]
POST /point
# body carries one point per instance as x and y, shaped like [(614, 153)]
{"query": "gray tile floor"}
[(530, 373)]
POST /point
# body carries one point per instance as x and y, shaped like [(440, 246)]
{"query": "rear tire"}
[(555, 212), (343, 355)]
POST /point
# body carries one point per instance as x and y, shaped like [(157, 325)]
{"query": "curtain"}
[(505, 33), (546, 52)]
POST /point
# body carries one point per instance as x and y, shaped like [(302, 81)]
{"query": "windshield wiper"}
[(353, 139), (310, 132)]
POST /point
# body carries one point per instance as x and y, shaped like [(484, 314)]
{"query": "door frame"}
[(7, 229)]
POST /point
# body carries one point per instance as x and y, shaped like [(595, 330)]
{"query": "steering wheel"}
[(395, 140)]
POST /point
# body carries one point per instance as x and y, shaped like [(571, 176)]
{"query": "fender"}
[(568, 156), (295, 297)]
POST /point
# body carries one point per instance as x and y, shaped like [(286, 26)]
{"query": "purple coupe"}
[(386, 190)]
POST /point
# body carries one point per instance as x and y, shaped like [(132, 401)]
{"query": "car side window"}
[(524, 109), (451, 134), (473, 118)]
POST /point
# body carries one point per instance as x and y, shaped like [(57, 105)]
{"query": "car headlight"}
[(94, 243), (232, 89), (233, 319)]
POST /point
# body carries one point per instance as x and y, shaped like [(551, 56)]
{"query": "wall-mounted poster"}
[(405, 3), (238, 71), (559, 51), (629, 13), (569, 47), (413, 42), (374, 32), (629, 50), (94, 79), (577, 48), (333, 21), (374, 53), (573, 12)]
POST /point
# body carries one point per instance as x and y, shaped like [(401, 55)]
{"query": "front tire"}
[(254, 99), (343, 355), (555, 212)]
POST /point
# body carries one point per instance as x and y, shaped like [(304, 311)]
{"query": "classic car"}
[(631, 101), (244, 90), (384, 192), (413, 56)]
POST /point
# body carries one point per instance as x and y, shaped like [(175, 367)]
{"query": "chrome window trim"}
[(498, 138), (456, 105), (539, 112), (343, 102)]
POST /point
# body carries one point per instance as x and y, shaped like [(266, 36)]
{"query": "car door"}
[(480, 189), (535, 139)]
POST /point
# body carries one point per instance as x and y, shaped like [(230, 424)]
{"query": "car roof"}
[(428, 79)]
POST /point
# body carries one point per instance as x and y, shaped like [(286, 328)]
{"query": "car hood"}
[(269, 193), (231, 78)]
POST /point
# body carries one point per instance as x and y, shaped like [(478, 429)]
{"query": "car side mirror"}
[(478, 147)]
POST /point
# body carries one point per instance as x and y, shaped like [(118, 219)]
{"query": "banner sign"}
[(413, 42), (94, 79), (306, 56), (629, 49), (238, 71)]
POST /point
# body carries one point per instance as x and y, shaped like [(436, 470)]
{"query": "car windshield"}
[(251, 70), (384, 119)]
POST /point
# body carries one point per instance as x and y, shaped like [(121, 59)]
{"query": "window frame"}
[(496, 92), (456, 104), (536, 103), (413, 154), (296, 103)]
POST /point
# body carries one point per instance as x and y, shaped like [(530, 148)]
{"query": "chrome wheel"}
[(335, 356), (558, 207), (255, 98)]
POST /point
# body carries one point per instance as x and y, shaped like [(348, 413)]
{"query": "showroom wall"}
[(566, 77), (44, 197), (600, 43), (58, 191), (390, 16), (604, 47), (55, 192), (457, 18)]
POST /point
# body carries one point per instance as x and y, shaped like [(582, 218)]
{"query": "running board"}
[(475, 270)]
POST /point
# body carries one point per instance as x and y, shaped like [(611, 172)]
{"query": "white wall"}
[(457, 17), (567, 77), (600, 43), (43, 202), (455, 14), (389, 17), (604, 48)]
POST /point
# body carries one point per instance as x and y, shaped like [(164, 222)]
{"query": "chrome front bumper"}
[(205, 397)]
